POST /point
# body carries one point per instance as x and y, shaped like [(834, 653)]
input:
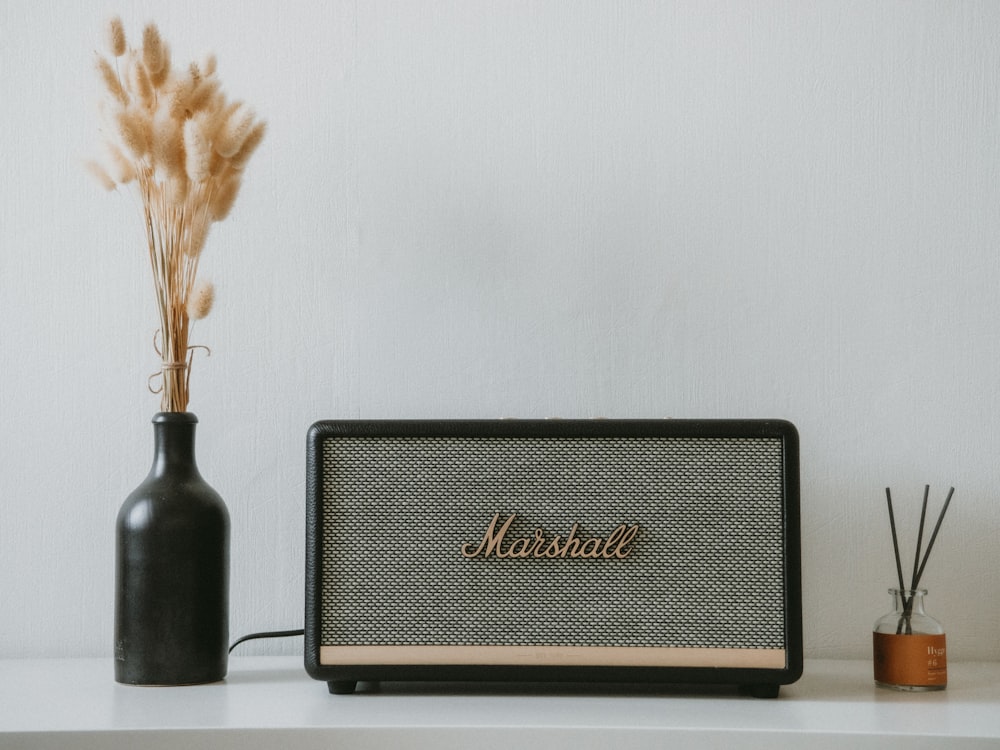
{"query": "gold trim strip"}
[(555, 656)]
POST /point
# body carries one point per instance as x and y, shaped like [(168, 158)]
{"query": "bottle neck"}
[(908, 601), (173, 442)]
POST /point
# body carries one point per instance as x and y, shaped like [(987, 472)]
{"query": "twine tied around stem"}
[(171, 366)]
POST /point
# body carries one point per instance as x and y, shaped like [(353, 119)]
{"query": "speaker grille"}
[(707, 568)]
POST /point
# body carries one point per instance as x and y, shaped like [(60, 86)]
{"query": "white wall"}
[(482, 209)]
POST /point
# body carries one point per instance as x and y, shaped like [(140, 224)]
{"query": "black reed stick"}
[(934, 534), (895, 540), (920, 537)]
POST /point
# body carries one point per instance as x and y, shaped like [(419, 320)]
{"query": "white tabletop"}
[(271, 702)]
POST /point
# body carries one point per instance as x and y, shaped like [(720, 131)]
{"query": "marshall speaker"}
[(579, 550)]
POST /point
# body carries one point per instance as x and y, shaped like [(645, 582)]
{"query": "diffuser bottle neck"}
[(908, 616), (908, 601)]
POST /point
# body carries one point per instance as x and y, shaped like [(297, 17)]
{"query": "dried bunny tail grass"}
[(154, 51), (215, 118), (168, 145), (197, 236), (100, 174), (253, 140), (116, 37), (179, 92), (111, 80), (218, 166), (192, 94), (160, 78), (140, 83), (199, 152), (209, 64), (200, 302), (136, 131), (163, 125), (224, 196), (120, 167), (178, 188), (234, 132), (202, 96)]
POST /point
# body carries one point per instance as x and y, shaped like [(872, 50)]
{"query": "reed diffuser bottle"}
[(908, 645)]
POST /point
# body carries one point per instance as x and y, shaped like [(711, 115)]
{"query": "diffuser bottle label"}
[(913, 660)]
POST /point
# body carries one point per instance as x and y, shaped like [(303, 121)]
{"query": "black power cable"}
[(269, 634)]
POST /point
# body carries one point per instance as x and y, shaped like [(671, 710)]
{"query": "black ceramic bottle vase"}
[(172, 568)]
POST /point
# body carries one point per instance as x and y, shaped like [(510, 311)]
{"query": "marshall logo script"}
[(618, 545)]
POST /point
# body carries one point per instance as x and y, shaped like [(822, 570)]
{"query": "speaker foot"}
[(764, 690), (342, 687)]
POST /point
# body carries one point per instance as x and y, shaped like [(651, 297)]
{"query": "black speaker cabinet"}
[(554, 550)]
